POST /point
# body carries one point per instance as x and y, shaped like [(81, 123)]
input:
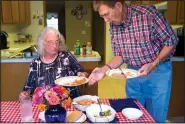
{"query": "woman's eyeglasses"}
[(50, 42)]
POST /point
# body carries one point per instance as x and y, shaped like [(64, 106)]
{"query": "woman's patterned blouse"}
[(42, 74)]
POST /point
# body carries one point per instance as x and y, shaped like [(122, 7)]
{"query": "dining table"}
[(10, 112)]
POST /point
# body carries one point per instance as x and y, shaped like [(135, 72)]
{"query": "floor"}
[(175, 119)]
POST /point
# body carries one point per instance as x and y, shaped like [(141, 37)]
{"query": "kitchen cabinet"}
[(175, 12), (16, 12), (180, 12), (145, 2), (176, 105)]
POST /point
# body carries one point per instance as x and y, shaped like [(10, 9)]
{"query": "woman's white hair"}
[(41, 39)]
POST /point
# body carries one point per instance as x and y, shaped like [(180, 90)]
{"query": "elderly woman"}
[(54, 62)]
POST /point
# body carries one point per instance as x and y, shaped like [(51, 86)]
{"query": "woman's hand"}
[(82, 74), (24, 94)]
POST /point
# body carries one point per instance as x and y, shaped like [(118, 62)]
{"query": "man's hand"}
[(146, 69), (96, 75)]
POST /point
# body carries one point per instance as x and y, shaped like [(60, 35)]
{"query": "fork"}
[(121, 71)]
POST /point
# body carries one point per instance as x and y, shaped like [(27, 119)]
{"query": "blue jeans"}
[(153, 91)]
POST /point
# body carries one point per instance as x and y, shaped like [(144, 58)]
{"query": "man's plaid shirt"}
[(142, 36)]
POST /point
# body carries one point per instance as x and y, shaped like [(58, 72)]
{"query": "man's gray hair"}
[(109, 3), (41, 39)]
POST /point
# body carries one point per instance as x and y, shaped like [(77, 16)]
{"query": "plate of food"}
[(125, 73), (71, 81), (84, 101), (72, 116), (93, 113)]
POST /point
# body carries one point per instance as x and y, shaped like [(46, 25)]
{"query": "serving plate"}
[(71, 81), (130, 73)]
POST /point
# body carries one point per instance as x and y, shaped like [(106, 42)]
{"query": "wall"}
[(109, 53), (34, 28), (74, 27)]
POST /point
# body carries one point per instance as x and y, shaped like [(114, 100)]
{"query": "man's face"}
[(112, 15)]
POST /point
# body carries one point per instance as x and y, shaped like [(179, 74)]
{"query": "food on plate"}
[(106, 113), (129, 73), (77, 82), (85, 102), (117, 75), (73, 116)]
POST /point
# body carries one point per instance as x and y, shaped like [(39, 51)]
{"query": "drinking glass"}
[(26, 109)]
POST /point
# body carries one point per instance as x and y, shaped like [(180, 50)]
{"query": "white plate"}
[(94, 109), (68, 81), (80, 120), (132, 113), (133, 73), (81, 107)]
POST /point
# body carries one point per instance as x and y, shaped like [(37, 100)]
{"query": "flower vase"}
[(55, 113)]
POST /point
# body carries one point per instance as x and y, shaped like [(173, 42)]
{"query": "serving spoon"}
[(101, 113)]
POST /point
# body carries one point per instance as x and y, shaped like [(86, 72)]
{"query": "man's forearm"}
[(163, 54), (115, 62)]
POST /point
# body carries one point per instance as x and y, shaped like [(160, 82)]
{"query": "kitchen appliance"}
[(3, 43)]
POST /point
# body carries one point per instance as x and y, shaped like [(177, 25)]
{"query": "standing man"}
[(141, 38)]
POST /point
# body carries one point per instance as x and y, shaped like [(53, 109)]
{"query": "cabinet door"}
[(27, 12), (15, 12), (172, 12), (6, 12), (154, 1), (146, 2), (136, 2), (22, 12), (180, 12)]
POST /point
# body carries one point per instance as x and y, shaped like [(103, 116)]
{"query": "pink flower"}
[(54, 100), (49, 94), (37, 98)]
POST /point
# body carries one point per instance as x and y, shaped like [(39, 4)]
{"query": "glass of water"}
[(26, 109)]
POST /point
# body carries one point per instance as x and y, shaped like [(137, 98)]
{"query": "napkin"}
[(120, 104)]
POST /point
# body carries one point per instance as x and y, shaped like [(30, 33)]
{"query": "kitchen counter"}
[(15, 50), (95, 58), (177, 59)]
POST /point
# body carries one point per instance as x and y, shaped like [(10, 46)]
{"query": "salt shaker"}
[(26, 109)]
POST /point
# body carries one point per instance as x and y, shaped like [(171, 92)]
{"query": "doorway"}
[(98, 35), (55, 15)]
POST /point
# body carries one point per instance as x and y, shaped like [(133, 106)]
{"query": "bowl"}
[(93, 110), (87, 97), (132, 113)]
